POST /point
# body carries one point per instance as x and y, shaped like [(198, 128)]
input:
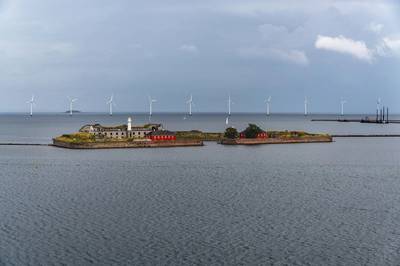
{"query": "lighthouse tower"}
[(129, 124)]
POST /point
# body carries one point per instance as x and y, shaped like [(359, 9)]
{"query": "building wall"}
[(163, 137)]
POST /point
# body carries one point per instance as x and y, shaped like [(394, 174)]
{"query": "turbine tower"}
[(378, 104), (268, 101), (151, 101), (229, 105), (110, 104), (378, 108), (71, 103), (305, 106), (31, 102), (190, 102), (342, 103)]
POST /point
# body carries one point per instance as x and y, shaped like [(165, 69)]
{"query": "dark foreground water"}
[(304, 204)]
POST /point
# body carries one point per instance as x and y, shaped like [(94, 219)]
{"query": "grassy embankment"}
[(199, 135), (82, 137), (294, 134)]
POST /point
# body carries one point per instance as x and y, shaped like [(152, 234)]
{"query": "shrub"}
[(252, 131), (231, 133)]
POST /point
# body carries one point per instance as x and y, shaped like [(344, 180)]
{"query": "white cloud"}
[(389, 46), (341, 44), (189, 48), (375, 27), (292, 56), (392, 44)]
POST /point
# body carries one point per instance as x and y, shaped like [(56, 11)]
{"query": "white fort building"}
[(147, 131)]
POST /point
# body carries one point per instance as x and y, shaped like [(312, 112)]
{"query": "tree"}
[(252, 131), (231, 133)]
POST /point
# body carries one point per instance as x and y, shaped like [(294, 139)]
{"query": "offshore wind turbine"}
[(151, 101), (229, 104), (31, 103), (110, 103), (190, 102), (378, 104), (305, 106), (342, 103), (229, 109), (71, 103), (268, 101)]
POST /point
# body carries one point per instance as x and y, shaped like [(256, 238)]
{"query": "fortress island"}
[(152, 135), (96, 136)]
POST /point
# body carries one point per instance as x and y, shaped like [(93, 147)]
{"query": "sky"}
[(169, 49)]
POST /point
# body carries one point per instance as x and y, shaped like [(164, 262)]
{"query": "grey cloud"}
[(171, 48)]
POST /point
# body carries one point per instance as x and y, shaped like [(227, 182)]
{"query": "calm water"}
[(303, 204), (42, 128)]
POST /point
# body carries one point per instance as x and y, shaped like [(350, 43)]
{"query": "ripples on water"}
[(304, 204)]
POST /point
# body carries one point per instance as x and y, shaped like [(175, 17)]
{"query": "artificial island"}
[(97, 136)]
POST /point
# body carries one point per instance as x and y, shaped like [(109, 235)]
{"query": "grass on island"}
[(80, 137), (199, 135), (83, 137), (294, 134)]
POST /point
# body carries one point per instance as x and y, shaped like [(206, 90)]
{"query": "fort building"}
[(129, 130)]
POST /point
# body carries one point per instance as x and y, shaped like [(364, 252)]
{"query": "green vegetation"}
[(231, 133), (293, 134), (84, 137), (252, 131), (198, 135), (81, 137)]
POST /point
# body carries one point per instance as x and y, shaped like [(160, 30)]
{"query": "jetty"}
[(382, 117), (361, 120)]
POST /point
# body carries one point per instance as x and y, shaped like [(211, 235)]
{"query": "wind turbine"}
[(229, 109), (378, 104), (268, 101), (71, 102), (342, 103), (31, 102), (305, 106), (190, 102), (229, 105), (378, 108), (111, 103), (151, 101)]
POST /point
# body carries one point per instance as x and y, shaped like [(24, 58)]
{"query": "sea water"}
[(302, 204)]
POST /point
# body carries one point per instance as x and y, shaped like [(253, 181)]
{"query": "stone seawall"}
[(276, 140), (126, 144)]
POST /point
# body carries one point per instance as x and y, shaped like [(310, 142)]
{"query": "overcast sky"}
[(251, 49)]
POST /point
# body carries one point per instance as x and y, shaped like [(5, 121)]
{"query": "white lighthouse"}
[(129, 124)]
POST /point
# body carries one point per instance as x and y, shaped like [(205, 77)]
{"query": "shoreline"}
[(127, 144), (272, 141), (318, 139)]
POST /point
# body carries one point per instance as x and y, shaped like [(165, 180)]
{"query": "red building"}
[(261, 135), (161, 135)]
